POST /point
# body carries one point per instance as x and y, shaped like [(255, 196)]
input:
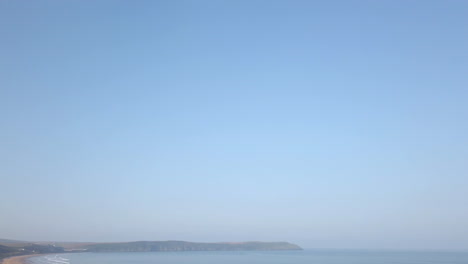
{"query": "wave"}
[(51, 259)]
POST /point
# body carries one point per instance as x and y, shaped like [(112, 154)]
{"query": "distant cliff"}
[(145, 246)]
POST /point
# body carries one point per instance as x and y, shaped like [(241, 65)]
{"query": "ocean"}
[(259, 257)]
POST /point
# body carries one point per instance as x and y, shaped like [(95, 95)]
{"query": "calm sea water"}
[(259, 257)]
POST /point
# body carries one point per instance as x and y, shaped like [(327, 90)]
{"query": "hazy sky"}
[(324, 123)]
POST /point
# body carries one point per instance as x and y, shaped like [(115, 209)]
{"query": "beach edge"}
[(18, 259)]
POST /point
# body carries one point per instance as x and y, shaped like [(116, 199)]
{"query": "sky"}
[(330, 124)]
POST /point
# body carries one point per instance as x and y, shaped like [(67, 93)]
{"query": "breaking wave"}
[(50, 259)]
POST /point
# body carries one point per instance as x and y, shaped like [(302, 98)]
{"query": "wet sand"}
[(17, 259)]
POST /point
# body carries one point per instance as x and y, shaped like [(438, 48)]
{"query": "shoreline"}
[(19, 259)]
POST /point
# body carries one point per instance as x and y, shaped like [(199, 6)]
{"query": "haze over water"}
[(264, 257)]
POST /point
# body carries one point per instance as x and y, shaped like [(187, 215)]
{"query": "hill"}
[(145, 246), (15, 247), (9, 251), (7, 241)]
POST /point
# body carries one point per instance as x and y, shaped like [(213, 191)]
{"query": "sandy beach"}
[(17, 259)]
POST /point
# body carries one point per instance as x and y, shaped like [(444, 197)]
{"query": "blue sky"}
[(326, 123)]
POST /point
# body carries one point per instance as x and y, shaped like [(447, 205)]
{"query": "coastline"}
[(18, 259)]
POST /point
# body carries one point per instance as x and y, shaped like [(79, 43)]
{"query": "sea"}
[(258, 257)]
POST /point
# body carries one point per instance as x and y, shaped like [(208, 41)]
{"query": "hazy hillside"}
[(3, 240), (9, 251), (14, 247), (142, 246)]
